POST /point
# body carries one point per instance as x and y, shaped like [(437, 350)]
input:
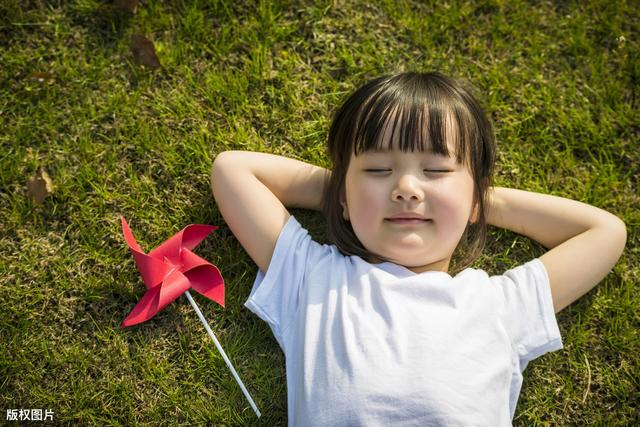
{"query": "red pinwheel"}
[(171, 269)]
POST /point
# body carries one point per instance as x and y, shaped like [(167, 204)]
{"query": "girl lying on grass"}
[(374, 327)]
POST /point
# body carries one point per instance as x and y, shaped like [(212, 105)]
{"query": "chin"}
[(409, 263), (415, 261)]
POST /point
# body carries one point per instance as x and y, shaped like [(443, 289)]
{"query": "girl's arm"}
[(584, 242), (252, 191)]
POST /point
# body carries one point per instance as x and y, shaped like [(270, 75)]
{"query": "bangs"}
[(388, 120)]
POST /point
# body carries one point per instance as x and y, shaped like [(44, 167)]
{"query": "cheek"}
[(455, 200), (366, 204)]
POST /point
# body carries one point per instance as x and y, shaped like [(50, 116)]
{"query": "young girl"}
[(375, 329)]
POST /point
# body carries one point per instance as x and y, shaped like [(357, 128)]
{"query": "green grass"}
[(561, 82)]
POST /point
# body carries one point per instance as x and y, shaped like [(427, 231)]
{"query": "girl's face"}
[(384, 189)]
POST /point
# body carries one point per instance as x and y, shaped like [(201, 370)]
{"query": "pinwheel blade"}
[(172, 287), (157, 298), (190, 260), (195, 233), (189, 237), (146, 308), (152, 270), (207, 281)]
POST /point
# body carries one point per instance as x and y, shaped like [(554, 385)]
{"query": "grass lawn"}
[(561, 80)]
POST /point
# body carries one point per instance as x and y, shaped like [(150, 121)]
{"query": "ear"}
[(475, 213), (345, 209)]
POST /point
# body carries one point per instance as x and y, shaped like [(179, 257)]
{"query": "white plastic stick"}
[(224, 355)]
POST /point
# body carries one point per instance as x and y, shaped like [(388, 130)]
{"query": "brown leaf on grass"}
[(39, 186), (144, 53), (130, 6), (41, 77)]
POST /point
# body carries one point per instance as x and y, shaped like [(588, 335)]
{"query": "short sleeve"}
[(526, 311), (275, 295)]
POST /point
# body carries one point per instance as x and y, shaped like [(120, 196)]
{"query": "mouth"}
[(408, 221)]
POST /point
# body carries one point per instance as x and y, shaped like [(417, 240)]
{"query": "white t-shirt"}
[(379, 345)]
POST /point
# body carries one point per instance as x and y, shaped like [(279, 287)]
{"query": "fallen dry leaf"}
[(39, 186), (41, 77), (130, 6), (144, 53)]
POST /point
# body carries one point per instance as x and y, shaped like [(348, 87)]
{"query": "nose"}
[(407, 188)]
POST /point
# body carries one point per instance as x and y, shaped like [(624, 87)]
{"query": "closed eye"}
[(438, 170), (377, 170)]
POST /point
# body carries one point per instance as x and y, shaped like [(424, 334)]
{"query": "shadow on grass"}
[(106, 26)]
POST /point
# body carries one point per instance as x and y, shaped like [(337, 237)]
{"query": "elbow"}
[(218, 165), (619, 233), (222, 157), (615, 233), (225, 158)]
